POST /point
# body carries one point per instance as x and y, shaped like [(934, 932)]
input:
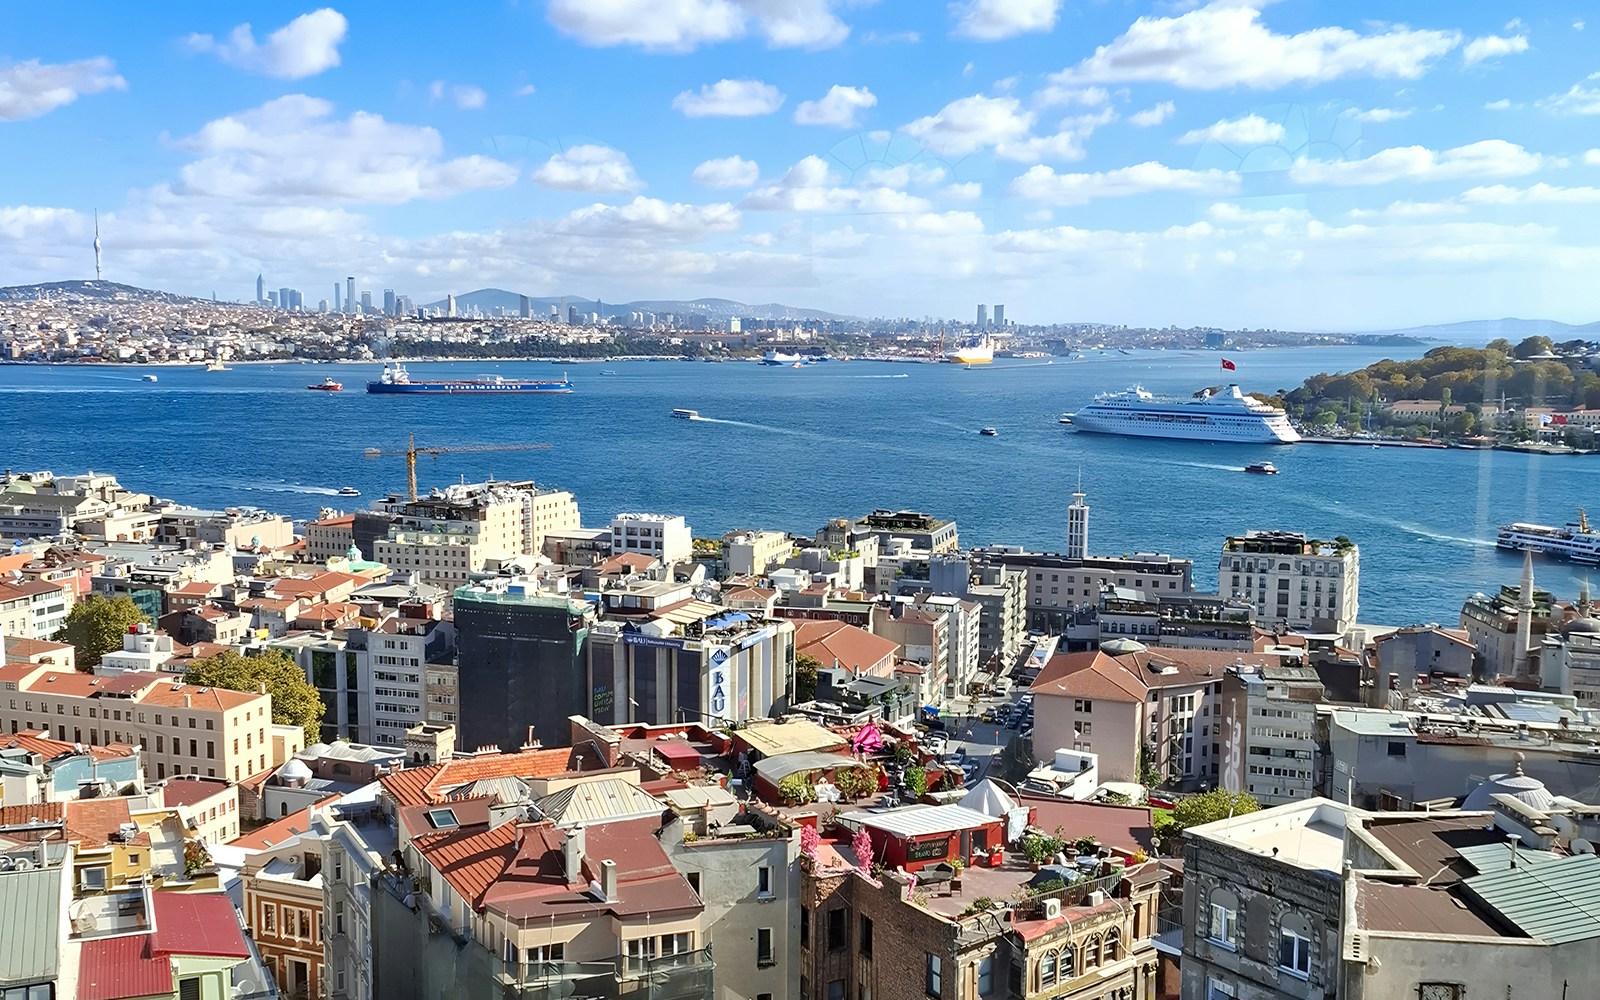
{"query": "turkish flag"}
[(1228, 366), (1559, 418)]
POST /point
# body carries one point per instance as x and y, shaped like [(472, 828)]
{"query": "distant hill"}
[(91, 291), (1481, 331), (488, 300)]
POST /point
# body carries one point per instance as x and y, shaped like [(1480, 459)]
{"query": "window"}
[(1082, 705), (1218, 991), (694, 883), (338, 867), (640, 951), (676, 944), (865, 944), (189, 989), (269, 919), (1294, 951), (838, 928), (764, 955), (133, 858), (1112, 947), (93, 879), (805, 926), (545, 953), (338, 918), (1091, 953), (1224, 920), (764, 882), (932, 980), (986, 976), (1440, 991), (1397, 748)]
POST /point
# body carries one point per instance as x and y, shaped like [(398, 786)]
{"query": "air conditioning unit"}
[(1052, 909), (1096, 898)]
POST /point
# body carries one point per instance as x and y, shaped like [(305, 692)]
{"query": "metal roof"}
[(1555, 902), (603, 800), (922, 820), (29, 935), (775, 769), (1497, 857)]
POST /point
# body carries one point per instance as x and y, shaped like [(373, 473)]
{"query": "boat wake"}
[(756, 427), (1417, 531), (289, 488), (1209, 465), (895, 375)]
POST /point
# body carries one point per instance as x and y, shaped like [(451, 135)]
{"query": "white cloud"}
[(1409, 210), (463, 95), (1224, 44), (892, 37), (1492, 47), (1538, 194), (1089, 97), (727, 172), (730, 99), (1066, 144), (684, 25), (1251, 130), (1375, 115), (968, 124), (837, 108), (1489, 158), (1154, 115), (1501, 105), (809, 186), (1578, 99), (992, 20), (596, 169), (1041, 183), (30, 89), (304, 47), (1591, 158), (649, 218), (968, 191), (526, 90), (293, 147)]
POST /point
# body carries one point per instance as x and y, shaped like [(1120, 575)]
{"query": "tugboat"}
[(1262, 468), (989, 432), (327, 385)]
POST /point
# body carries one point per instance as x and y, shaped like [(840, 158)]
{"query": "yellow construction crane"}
[(411, 451)]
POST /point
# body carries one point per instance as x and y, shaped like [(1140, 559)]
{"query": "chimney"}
[(188, 701), (608, 880), (1515, 839), (572, 855)]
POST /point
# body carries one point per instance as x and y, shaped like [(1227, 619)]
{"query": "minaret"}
[(97, 244), (1524, 617), (1078, 524)]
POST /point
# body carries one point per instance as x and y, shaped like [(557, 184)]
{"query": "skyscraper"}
[(349, 295), (572, 315), (983, 315), (999, 316), (388, 302), (283, 298), (337, 306), (366, 303), (272, 299), (526, 306), (450, 305), (261, 288)]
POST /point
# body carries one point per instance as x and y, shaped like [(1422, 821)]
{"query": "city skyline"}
[(1287, 165)]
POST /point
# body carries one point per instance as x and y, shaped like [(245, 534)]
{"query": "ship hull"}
[(1184, 427), (466, 388)]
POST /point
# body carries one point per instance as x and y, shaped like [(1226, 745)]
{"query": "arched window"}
[(1294, 945), (1224, 918), (283, 808), (1091, 953), (1047, 970), (1109, 951), (1067, 963)]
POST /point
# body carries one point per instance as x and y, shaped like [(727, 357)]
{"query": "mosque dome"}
[(1122, 647), (294, 771), (1588, 626), (1528, 790)]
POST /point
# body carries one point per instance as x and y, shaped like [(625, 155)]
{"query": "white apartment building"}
[(664, 536), (752, 553), (34, 609), (1301, 583), (446, 537), (143, 648), (1268, 724)]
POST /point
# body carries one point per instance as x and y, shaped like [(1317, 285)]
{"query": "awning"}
[(931, 709)]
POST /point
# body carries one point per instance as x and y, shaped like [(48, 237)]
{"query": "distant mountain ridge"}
[(104, 291), (489, 299), (1511, 328)]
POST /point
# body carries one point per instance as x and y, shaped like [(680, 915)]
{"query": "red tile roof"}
[(417, 785), (186, 791), (1130, 676), (285, 829), (198, 923), (18, 648), (91, 822), (833, 643), (34, 742), (118, 968), (43, 812)]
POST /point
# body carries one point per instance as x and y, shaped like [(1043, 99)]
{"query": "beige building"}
[(1292, 580), (446, 537), (752, 553), (330, 537), (181, 728)]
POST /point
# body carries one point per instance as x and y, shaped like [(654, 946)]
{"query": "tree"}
[(95, 626), (1209, 807), (1531, 346), (294, 701), (805, 677)]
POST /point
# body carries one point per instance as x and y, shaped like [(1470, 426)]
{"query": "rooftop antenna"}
[(97, 244)]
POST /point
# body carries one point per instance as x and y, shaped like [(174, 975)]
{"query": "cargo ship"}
[(395, 379)]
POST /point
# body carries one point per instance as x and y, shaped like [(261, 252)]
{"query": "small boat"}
[(989, 432), (797, 364), (966, 368), (148, 378), (1065, 418), (1262, 468), (216, 366), (607, 371), (686, 414), (349, 491), (327, 385)]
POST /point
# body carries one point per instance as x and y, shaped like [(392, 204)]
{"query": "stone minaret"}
[(1524, 617)]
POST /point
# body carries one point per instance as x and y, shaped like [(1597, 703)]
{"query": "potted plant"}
[(955, 880)]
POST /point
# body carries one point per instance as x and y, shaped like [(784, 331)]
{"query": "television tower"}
[(97, 244)]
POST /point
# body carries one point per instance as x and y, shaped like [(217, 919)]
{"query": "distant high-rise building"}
[(983, 315), (272, 299), (366, 303), (450, 305), (322, 306), (261, 288), (338, 305), (572, 315), (283, 298), (299, 299), (349, 295), (999, 316), (388, 302), (525, 307)]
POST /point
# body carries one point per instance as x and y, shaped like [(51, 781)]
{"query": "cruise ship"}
[(1576, 541), (777, 358), (979, 352), (1225, 415), (396, 380)]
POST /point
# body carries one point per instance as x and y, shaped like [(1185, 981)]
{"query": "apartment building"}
[(662, 536), (180, 728), (330, 537), (446, 537), (34, 609), (1301, 583), (1268, 722), (752, 553), (234, 528)]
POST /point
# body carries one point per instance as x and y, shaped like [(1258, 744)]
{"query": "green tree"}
[(1208, 807), (95, 626), (1531, 346), (294, 701), (805, 677)]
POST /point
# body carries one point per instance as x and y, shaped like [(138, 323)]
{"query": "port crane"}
[(411, 451)]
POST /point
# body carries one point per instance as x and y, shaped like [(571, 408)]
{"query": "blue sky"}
[(1291, 164)]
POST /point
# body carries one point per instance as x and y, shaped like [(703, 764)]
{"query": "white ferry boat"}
[(686, 414), (1576, 541), (779, 358), (1227, 415)]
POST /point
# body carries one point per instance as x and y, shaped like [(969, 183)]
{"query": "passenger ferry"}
[(777, 358), (395, 379), (1226, 415), (1576, 541), (686, 414)]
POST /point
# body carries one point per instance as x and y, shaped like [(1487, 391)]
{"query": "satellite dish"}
[(1582, 846), (26, 864)]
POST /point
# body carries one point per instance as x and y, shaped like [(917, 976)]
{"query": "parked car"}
[(934, 743), (987, 716)]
